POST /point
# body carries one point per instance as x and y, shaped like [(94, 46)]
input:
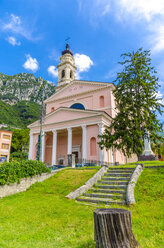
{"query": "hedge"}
[(18, 156), (11, 172)]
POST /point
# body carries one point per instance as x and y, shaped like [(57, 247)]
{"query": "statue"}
[(147, 152)]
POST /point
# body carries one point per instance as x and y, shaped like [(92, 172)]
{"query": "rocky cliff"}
[(23, 87)]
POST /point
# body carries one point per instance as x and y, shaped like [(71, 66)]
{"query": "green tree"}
[(137, 105), (20, 140)]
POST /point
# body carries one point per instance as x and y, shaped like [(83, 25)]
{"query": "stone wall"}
[(24, 184), (88, 184), (130, 199)]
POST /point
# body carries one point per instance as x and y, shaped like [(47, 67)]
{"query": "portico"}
[(58, 143)]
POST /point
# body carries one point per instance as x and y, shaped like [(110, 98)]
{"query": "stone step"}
[(112, 182), (118, 174), (100, 200), (120, 171), (115, 179), (111, 168), (108, 191), (101, 195), (110, 186)]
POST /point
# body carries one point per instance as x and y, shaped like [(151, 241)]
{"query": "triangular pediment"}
[(66, 114), (75, 88)]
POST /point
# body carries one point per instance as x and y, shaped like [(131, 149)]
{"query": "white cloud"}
[(157, 38), (50, 82), (13, 23), (149, 13), (54, 55), (77, 75), (31, 63), (52, 70), (159, 96), (13, 41), (112, 73), (106, 10), (83, 62), (141, 8), (16, 26), (160, 71)]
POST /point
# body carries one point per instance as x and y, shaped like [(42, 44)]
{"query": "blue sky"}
[(33, 33)]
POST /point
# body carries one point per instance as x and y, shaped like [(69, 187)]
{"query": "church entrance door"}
[(76, 151), (76, 156)]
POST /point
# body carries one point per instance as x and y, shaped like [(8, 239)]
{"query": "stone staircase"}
[(111, 189)]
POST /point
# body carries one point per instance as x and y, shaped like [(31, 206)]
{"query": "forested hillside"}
[(20, 114)]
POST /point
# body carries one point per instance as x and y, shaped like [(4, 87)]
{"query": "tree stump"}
[(113, 229)]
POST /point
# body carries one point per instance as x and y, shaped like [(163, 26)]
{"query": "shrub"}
[(11, 172), (18, 156)]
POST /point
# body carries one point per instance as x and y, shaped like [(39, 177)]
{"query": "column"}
[(30, 147), (101, 131), (111, 155), (69, 147), (54, 147), (42, 146), (84, 142)]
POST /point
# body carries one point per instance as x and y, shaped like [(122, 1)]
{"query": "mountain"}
[(20, 98), (19, 115), (23, 87)]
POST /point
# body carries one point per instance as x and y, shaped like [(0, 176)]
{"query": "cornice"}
[(78, 94), (66, 62), (92, 112)]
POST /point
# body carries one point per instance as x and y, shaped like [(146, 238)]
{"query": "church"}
[(76, 114)]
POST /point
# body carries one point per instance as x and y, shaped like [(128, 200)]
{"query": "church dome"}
[(67, 50)]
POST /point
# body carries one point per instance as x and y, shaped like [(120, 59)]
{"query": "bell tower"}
[(66, 67)]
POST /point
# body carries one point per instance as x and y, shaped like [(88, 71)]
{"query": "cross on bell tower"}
[(66, 67)]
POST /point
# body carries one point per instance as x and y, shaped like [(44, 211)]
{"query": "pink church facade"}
[(76, 114)]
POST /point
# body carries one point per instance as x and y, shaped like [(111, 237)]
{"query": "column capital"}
[(69, 128), (101, 128), (54, 131), (101, 125), (84, 126)]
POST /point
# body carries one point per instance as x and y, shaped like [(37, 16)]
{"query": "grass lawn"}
[(146, 163), (43, 217)]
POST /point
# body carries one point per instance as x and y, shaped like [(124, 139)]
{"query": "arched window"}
[(52, 109), (93, 146), (63, 73), (70, 74), (77, 106), (101, 99)]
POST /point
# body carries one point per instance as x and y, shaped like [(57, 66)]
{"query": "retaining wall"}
[(24, 184)]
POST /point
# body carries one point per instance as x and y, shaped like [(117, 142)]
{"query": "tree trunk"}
[(113, 229)]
